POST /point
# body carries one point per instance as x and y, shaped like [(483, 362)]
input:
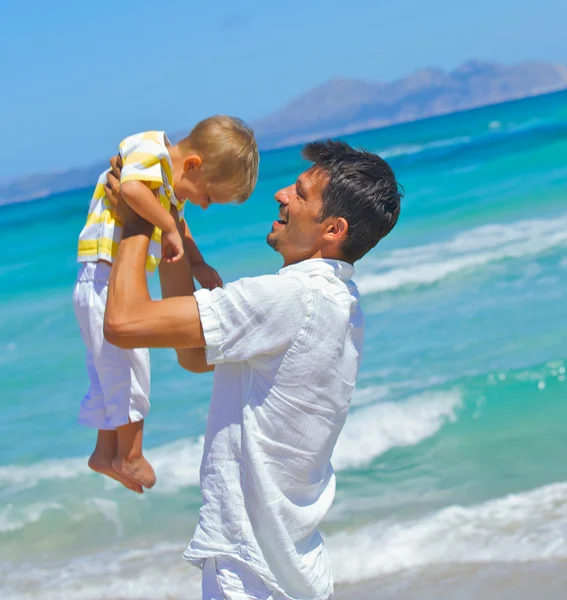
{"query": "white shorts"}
[(229, 579), (119, 388)]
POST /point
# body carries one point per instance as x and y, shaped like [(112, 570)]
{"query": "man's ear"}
[(337, 230), (193, 161)]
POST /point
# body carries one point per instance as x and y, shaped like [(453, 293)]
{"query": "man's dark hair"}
[(361, 188)]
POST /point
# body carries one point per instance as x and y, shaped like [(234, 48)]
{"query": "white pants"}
[(119, 388), (229, 579)]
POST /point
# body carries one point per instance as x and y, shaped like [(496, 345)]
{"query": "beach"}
[(451, 480), (491, 581)]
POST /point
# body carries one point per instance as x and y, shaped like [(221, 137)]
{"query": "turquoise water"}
[(455, 447)]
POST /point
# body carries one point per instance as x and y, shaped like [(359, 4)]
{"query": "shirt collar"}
[(322, 266)]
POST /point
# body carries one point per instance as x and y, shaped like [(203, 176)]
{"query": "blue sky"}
[(78, 76)]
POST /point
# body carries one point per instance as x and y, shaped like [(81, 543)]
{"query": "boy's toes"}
[(137, 469), (100, 465), (128, 483)]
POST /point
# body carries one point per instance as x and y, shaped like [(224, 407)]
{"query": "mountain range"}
[(343, 106)]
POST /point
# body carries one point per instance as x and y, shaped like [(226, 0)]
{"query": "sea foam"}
[(175, 462), (369, 431), (520, 527), (467, 251), (373, 430)]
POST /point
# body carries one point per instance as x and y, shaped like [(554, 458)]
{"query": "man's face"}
[(298, 234)]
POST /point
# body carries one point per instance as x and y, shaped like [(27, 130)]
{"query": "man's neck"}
[(319, 254)]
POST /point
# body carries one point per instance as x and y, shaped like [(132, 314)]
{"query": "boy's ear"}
[(193, 161)]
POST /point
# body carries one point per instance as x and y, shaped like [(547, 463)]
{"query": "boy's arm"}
[(176, 279), (194, 254), (202, 272), (141, 199)]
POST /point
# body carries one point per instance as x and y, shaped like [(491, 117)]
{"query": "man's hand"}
[(206, 275), (112, 190), (113, 179)]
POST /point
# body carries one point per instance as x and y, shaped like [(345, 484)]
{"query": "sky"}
[(78, 76)]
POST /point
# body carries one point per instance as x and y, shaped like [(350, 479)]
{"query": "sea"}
[(453, 459)]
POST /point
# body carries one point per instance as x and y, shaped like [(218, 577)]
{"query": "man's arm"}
[(132, 319)]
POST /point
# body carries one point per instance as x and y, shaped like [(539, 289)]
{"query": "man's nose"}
[(283, 195)]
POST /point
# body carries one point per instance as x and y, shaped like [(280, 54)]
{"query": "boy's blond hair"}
[(229, 152)]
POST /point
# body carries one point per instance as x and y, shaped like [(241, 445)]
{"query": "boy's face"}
[(191, 185)]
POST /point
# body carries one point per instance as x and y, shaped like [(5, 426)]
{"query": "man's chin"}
[(272, 240)]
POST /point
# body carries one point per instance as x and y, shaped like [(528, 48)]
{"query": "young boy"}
[(215, 164)]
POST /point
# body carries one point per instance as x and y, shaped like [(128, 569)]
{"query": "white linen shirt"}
[(287, 349)]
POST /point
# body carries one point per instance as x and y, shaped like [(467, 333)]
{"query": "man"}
[(286, 349)]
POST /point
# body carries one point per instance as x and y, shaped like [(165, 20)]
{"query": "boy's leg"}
[(129, 460), (103, 455), (124, 377), (126, 383), (93, 410)]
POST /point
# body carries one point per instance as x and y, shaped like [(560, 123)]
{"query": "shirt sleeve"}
[(252, 317), (141, 160)]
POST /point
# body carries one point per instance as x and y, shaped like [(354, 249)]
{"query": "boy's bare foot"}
[(129, 460), (138, 469), (102, 464)]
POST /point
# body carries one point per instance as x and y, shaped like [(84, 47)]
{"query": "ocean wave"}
[(431, 263), (157, 572), (522, 527), (370, 432), (14, 517), (517, 528), (409, 149), (176, 464), (496, 135), (27, 476)]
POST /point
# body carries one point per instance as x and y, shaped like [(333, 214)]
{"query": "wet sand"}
[(542, 580)]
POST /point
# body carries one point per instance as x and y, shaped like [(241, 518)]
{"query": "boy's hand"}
[(171, 246), (206, 276)]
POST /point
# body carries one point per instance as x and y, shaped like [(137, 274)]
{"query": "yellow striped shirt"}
[(144, 158)]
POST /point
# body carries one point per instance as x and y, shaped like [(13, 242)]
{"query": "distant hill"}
[(347, 105), (344, 106), (47, 184)]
